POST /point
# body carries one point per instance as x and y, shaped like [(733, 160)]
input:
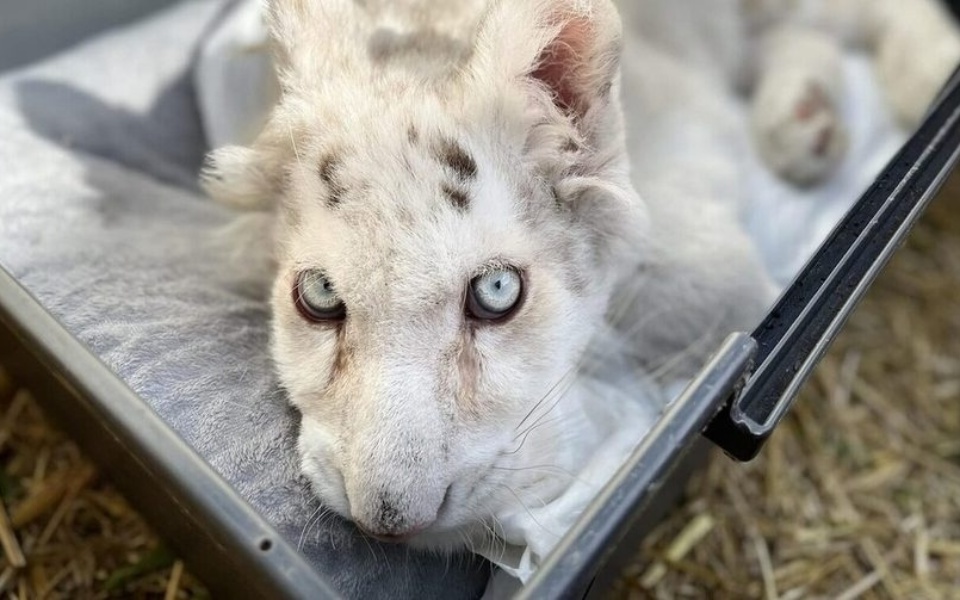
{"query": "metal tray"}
[(736, 401)]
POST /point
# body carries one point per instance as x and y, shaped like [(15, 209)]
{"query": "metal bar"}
[(807, 317)]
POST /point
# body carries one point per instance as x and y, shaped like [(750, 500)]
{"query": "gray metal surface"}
[(32, 29)]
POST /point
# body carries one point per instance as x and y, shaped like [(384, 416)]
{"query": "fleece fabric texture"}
[(101, 219)]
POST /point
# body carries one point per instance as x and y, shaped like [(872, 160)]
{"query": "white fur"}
[(412, 416)]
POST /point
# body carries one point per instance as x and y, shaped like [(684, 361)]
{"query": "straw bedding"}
[(857, 495)]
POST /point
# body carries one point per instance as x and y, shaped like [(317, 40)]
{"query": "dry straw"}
[(68, 535)]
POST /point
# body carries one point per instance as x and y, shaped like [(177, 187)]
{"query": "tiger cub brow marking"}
[(328, 175), (454, 156)]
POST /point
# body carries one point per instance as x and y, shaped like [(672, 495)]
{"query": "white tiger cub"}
[(458, 217)]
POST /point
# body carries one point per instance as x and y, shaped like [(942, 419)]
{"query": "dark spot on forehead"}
[(413, 136), (328, 175), (454, 156), (457, 197), (327, 170)]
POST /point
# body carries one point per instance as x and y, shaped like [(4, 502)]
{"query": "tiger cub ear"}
[(571, 48)]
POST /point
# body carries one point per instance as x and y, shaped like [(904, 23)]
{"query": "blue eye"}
[(494, 295), (316, 299)]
